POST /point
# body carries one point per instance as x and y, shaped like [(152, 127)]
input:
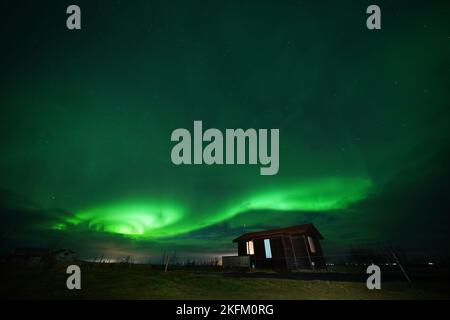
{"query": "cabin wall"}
[(317, 257), (242, 248), (303, 253), (278, 258), (291, 252)]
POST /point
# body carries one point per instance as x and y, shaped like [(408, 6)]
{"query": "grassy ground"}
[(145, 282)]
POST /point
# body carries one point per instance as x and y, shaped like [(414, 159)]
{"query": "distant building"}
[(30, 255), (40, 255), (64, 255), (292, 248)]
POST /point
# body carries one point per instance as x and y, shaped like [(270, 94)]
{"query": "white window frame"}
[(250, 247), (312, 245), (267, 249)]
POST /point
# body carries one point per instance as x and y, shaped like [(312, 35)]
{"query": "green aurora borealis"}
[(86, 118), (147, 219)]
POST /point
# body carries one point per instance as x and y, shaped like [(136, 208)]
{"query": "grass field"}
[(114, 281)]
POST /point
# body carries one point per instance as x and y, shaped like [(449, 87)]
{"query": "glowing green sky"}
[(152, 219), (86, 119)]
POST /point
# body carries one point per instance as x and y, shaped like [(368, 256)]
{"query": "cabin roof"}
[(308, 228)]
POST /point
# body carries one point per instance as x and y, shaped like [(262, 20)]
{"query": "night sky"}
[(86, 118)]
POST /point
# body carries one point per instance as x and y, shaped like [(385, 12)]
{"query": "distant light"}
[(394, 264), (431, 263)]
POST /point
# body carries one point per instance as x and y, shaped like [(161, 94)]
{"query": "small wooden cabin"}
[(296, 247)]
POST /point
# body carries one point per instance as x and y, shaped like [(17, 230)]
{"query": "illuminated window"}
[(250, 249), (267, 248), (312, 247)]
